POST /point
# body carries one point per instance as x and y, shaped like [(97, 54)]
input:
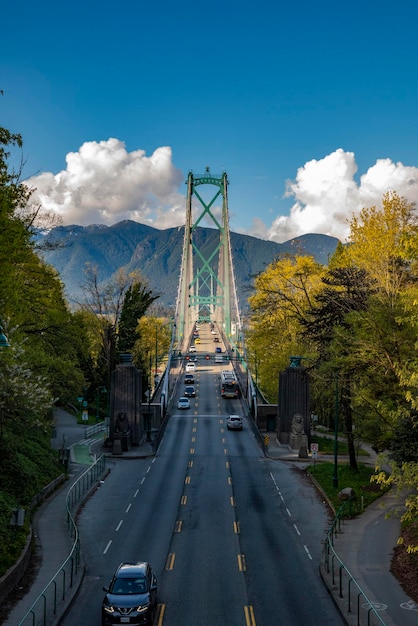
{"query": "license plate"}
[(125, 620)]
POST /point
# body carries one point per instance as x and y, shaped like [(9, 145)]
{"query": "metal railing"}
[(51, 601), (357, 603)]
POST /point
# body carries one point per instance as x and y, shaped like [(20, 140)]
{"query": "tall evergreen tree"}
[(138, 299)]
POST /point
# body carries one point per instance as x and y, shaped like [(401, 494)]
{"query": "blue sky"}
[(310, 108)]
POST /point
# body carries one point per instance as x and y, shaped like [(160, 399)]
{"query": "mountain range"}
[(157, 254)]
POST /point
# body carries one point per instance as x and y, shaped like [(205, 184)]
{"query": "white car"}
[(190, 367), (192, 349), (183, 403), (234, 422)]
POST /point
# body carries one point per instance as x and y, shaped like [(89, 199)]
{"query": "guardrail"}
[(96, 428), (357, 603), (48, 604)]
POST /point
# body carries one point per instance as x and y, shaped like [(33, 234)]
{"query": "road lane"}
[(232, 535)]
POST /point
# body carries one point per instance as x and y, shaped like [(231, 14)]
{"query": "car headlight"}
[(108, 608), (142, 608)]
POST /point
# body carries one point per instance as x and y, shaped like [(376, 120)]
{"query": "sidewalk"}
[(365, 546)]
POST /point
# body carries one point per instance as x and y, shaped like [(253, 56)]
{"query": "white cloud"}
[(105, 184), (327, 195)]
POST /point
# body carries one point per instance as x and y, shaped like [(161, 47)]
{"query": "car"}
[(188, 379), (131, 596), (197, 340), (189, 391), (192, 349), (183, 403), (216, 340), (218, 349), (190, 366), (234, 422), (213, 331)]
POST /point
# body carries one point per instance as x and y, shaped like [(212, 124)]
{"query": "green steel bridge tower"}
[(207, 290)]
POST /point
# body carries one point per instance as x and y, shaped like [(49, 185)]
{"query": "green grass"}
[(365, 491), (326, 446)]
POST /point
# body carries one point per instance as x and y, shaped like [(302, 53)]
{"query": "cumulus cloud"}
[(105, 184), (327, 195)]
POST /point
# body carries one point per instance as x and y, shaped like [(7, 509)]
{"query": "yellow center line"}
[(183, 500), (179, 525), (161, 611), (187, 480), (249, 616), (236, 528), (170, 561), (241, 563)]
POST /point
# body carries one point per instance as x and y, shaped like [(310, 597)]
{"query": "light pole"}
[(99, 390), (156, 352), (335, 477), (149, 401)]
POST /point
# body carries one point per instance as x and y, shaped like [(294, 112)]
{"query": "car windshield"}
[(124, 586)]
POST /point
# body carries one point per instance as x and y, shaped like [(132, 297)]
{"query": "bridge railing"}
[(358, 605)]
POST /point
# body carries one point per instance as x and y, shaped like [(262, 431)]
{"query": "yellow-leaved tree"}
[(284, 291)]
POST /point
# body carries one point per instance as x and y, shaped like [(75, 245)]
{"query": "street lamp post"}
[(335, 477), (99, 390), (156, 352), (149, 401)]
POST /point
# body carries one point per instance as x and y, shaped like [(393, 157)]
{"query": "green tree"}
[(284, 292), (152, 345), (327, 325), (138, 299)]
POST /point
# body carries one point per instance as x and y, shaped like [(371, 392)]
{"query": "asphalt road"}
[(234, 538)]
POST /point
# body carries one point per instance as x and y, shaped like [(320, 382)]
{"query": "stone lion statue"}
[(297, 424)]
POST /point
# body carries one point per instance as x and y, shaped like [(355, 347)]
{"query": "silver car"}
[(183, 403), (234, 422)]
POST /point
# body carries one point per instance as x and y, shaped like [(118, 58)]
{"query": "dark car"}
[(131, 597), (216, 340), (190, 392), (218, 349), (189, 379)]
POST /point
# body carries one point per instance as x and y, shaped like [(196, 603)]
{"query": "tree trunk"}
[(348, 420)]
